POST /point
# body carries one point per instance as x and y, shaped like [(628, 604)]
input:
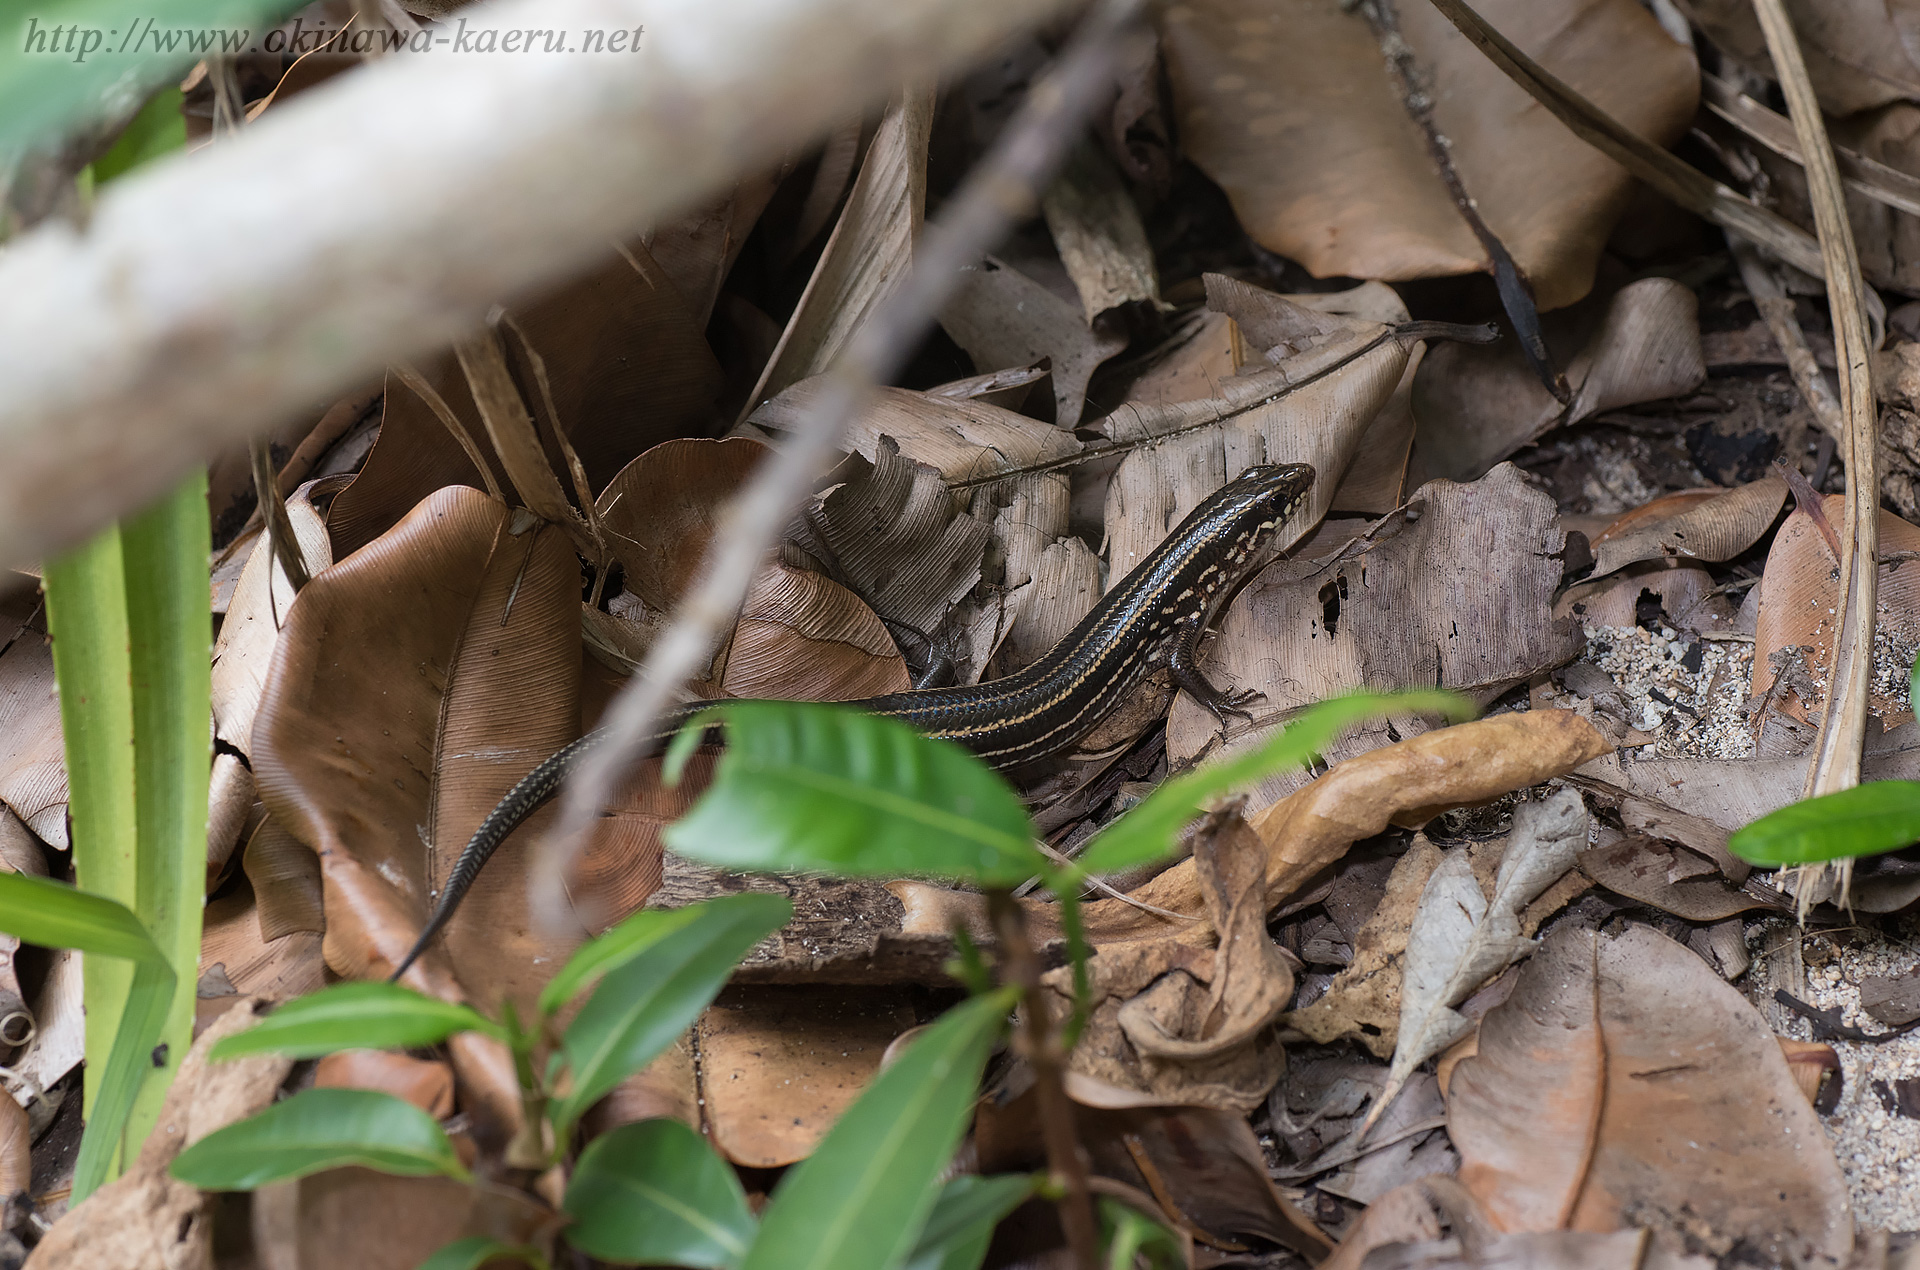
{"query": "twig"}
[(1020, 966), (1516, 293), (1001, 191), (285, 547), (1843, 723), (1876, 180), (1776, 309)]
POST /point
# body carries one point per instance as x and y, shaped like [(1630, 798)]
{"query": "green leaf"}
[(1865, 820), (618, 946), (1151, 829), (655, 1193), (38, 911), (355, 1016), (65, 63), (825, 789), (320, 1129), (477, 1250), (961, 1225), (859, 1201), (1131, 1234), (158, 130), (641, 1006)]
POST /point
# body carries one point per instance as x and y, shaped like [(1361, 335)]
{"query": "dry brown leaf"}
[(804, 637), (254, 618), (1003, 318), (869, 254), (1196, 446), (1858, 54), (1402, 1216), (663, 508), (385, 765), (1625, 1084), (1097, 230), (357, 1219), (286, 882), (16, 1147), (1798, 602), (426, 1083), (1671, 879), (1686, 593), (1289, 109), (33, 769), (1456, 592), (233, 949), (697, 250), (1363, 1001), (1407, 783), (1478, 404), (666, 1087), (1718, 527), (779, 1065), (146, 1218)]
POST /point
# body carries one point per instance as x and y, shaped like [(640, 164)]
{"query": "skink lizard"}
[(1155, 617)]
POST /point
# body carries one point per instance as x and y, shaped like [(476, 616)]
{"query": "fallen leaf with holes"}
[(1289, 109), (1477, 404), (1456, 591), (1624, 1084), (1798, 607), (1181, 1023)]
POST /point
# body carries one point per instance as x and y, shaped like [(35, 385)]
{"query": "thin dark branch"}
[(286, 548)]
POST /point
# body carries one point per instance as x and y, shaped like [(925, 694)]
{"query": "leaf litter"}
[(1414, 1002)]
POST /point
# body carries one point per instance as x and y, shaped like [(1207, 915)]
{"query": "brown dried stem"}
[(1836, 763), (1039, 1045), (1001, 191)]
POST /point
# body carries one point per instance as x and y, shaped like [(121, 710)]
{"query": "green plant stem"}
[(1035, 1042)]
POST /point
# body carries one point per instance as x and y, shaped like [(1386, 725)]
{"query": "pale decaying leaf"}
[(1003, 318), (1097, 229), (1289, 109), (1181, 1023), (869, 253), (33, 769), (1187, 450), (1716, 528), (696, 251), (779, 1065), (1363, 1001), (1670, 878), (1624, 1084), (286, 882), (1461, 937), (1409, 603), (145, 1217), (1478, 404)]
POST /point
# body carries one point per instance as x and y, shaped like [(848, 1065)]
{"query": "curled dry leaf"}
[(1098, 232), (1293, 411), (1798, 607), (1454, 591), (804, 637), (145, 1217), (778, 1065), (1462, 936), (1288, 108), (1478, 404), (1858, 54), (277, 969), (1003, 318), (286, 882), (1717, 527), (1577, 1112), (426, 1083), (868, 255), (1181, 1023), (1407, 783)]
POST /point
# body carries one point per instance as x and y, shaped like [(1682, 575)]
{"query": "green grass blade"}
[(963, 1219), (54, 916), (93, 662), (860, 1200), (1151, 829), (618, 946), (1865, 820), (164, 551), (478, 1250)]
